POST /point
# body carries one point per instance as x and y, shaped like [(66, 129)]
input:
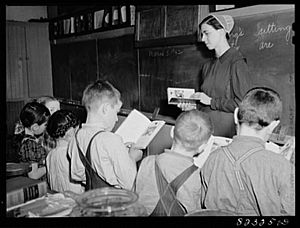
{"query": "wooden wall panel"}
[(13, 110), (39, 60), (16, 67)]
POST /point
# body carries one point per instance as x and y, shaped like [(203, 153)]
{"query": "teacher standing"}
[(225, 78)]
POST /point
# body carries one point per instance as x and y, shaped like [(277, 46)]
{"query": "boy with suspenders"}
[(169, 184), (243, 177), (99, 158)]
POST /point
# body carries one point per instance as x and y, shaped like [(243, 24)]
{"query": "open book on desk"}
[(137, 128), (179, 95)]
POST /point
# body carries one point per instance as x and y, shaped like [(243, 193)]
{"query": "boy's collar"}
[(172, 152)]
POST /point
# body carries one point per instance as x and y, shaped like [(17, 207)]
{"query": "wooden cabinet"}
[(28, 69), (39, 60), (28, 60), (16, 63)]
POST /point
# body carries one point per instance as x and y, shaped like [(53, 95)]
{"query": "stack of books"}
[(22, 189)]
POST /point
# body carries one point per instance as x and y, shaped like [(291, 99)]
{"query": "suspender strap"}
[(236, 164), (88, 150), (163, 205), (242, 158), (85, 160), (181, 178), (229, 155), (168, 204), (93, 180)]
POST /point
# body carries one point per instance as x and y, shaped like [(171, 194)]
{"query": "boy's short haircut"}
[(34, 112), (98, 93), (259, 107), (192, 129)]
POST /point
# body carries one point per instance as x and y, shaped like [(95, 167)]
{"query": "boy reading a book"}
[(95, 149), (244, 177), (175, 167)]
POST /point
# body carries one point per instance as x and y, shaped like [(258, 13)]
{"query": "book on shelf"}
[(139, 129), (67, 23), (22, 189), (123, 14), (98, 17), (179, 95)]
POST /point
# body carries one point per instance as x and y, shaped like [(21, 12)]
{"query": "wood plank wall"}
[(13, 109)]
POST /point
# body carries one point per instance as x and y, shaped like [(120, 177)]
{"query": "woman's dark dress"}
[(226, 80)]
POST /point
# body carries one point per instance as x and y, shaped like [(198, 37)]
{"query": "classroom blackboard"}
[(265, 39), (74, 66), (151, 22), (83, 66), (170, 66), (60, 71), (117, 63), (77, 64), (181, 20)]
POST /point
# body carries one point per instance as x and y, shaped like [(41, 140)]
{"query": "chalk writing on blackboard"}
[(165, 52), (184, 81), (273, 28), (235, 37), (145, 75), (267, 31), (263, 35)]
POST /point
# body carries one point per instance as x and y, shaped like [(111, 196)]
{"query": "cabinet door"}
[(16, 67), (39, 59)]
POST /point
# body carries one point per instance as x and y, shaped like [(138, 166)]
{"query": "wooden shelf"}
[(98, 19)]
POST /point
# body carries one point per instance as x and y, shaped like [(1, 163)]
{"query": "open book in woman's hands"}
[(137, 128), (181, 95)]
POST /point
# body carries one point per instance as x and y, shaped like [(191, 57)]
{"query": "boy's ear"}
[(101, 109), (273, 125), (34, 127), (105, 107), (172, 132), (235, 116)]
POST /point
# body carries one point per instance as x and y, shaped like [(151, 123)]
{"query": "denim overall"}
[(246, 191), (93, 180), (168, 204)]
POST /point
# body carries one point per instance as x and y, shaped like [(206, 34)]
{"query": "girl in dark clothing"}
[(225, 78), (34, 117)]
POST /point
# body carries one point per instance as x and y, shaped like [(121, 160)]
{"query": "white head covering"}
[(226, 21)]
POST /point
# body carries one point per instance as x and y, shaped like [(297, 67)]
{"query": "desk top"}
[(17, 169)]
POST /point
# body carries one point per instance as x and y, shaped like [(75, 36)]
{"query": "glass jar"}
[(107, 202)]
